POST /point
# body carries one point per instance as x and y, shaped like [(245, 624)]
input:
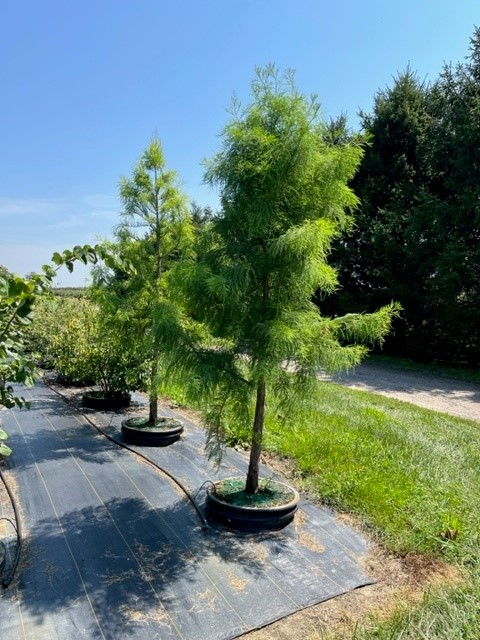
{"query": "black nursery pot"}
[(163, 433), (110, 402), (3, 556), (247, 518)]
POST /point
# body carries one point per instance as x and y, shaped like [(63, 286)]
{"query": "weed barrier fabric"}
[(115, 550)]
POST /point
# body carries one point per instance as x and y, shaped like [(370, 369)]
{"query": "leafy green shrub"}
[(84, 346), (17, 299), (61, 337), (4, 449), (116, 367)]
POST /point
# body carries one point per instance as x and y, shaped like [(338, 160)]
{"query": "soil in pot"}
[(164, 432), (272, 508), (106, 401)]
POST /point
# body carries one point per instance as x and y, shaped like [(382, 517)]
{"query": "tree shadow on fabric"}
[(138, 566)]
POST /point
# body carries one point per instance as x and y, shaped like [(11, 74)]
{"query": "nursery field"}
[(408, 476), (69, 292), (227, 313), (112, 545)]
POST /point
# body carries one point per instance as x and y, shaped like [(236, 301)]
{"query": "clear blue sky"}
[(85, 84)]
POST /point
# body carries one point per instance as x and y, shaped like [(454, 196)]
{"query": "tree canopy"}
[(155, 230), (284, 198), (418, 228)]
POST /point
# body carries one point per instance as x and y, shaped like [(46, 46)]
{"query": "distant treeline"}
[(417, 234), (69, 292)]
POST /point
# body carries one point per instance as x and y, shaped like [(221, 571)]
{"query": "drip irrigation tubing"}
[(202, 518), (18, 528)]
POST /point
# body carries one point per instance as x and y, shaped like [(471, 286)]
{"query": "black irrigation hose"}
[(18, 528), (203, 520)]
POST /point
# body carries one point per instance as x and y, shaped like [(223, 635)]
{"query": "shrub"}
[(73, 337)]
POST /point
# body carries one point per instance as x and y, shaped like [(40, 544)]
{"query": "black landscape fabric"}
[(113, 549)]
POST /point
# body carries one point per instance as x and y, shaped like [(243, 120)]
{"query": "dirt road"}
[(432, 392)]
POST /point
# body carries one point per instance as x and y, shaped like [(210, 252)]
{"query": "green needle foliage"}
[(154, 233), (284, 197), (418, 228)]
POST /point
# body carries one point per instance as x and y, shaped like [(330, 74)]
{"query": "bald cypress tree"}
[(155, 230), (284, 198)]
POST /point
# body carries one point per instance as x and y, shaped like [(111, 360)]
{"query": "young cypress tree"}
[(155, 231), (284, 198)]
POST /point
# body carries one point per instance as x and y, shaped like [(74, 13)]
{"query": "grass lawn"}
[(412, 476)]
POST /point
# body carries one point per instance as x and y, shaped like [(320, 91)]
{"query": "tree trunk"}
[(257, 439), (153, 410)]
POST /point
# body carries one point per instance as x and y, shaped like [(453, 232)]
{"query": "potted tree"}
[(155, 231), (284, 198)]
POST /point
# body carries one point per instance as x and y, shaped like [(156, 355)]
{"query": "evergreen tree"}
[(448, 220), (284, 197), (380, 260), (201, 215), (154, 231), (418, 227)]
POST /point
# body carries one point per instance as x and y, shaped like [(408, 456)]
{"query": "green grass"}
[(408, 473), (411, 475), (446, 614)]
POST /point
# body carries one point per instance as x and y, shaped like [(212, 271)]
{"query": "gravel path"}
[(432, 392)]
